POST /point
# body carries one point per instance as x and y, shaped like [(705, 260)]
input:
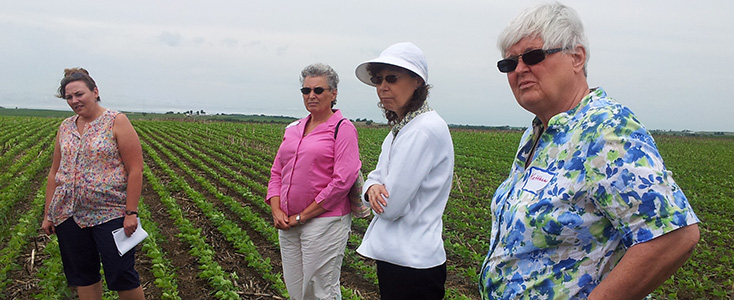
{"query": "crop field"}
[(211, 233)]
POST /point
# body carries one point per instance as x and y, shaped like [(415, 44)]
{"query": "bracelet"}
[(130, 212), (298, 219)]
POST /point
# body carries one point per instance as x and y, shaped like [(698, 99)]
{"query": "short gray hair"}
[(319, 69), (556, 24)]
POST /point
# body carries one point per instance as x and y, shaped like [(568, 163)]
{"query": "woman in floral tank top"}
[(93, 188)]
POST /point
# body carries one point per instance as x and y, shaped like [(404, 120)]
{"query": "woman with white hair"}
[(588, 210), (410, 185)]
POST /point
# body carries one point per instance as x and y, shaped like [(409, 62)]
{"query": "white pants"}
[(312, 256)]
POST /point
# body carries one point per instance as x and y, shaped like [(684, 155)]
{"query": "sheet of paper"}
[(125, 243)]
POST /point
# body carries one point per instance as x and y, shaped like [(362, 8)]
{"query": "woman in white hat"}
[(410, 185)]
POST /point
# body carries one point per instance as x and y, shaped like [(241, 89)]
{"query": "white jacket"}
[(417, 169)]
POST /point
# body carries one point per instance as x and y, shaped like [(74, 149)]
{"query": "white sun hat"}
[(405, 55)]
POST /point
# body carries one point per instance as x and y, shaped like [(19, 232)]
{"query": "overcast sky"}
[(671, 62)]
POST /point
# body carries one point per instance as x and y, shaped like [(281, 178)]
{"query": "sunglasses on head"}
[(377, 80), (530, 58), (76, 75), (72, 77), (317, 90)]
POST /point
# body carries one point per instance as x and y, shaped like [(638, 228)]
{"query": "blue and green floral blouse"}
[(596, 185)]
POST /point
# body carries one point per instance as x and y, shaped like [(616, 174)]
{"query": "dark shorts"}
[(82, 249), (398, 282)]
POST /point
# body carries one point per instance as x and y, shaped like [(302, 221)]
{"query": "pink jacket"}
[(316, 167)]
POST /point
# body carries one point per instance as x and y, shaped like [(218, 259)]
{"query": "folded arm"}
[(645, 266)]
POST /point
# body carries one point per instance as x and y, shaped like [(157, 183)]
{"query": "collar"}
[(567, 116), (410, 116), (301, 123)]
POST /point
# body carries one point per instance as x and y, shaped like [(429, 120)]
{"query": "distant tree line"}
[(365, 120), (188, 112), (481, 127)]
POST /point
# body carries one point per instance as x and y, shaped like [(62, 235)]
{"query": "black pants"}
[(403, 283)]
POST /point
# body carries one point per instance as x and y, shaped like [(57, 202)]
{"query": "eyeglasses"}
[(377, 80), (317, 90), (530, 58)]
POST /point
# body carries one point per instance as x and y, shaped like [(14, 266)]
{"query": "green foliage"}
[(162, 269), (46, 113), (21, 234), (52, 280)]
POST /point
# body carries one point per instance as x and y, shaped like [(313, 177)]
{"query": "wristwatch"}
[(298, 219), (130, 212)]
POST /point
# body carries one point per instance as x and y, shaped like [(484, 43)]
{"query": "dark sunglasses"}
[(317, 90), (377, 80), (530, 58), (72, 77), (76, 75)]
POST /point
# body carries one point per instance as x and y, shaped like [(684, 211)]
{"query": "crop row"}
[(211, 270), (21, 234), (19, 179), (256, 222)]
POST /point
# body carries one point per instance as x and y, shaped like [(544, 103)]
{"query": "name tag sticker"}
[(537, 180)]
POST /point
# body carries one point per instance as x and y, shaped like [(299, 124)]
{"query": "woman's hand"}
[(280, 219), (377, 194), (130, 224), (48, 226)]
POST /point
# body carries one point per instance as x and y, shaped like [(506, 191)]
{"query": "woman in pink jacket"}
[(311, 176)]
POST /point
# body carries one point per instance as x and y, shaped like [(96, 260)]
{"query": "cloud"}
[(281, 50), (198, 41), (146, 55), (230, 43), (170, 38)]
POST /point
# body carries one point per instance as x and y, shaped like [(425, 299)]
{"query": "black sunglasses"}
[(72, 77), (317, 90), (76, 75), (377, 80), (530, 58)]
